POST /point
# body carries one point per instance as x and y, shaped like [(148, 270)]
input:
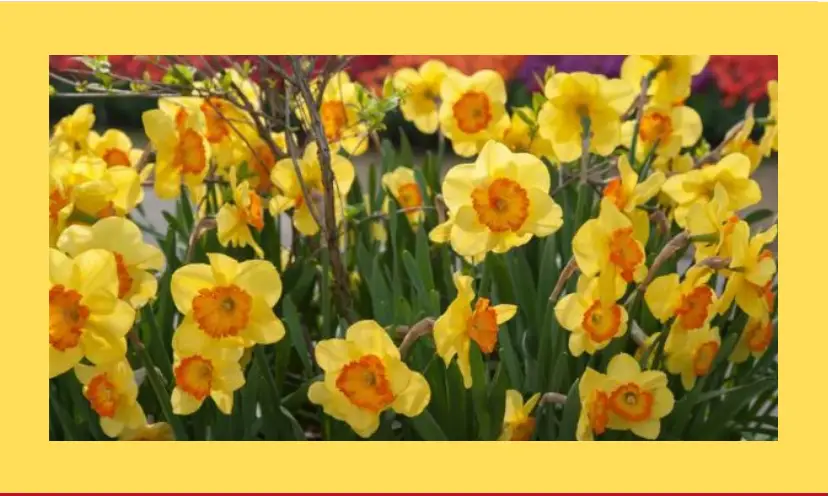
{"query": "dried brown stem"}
[(716, 154), (552, 399), (637, 105), (202, 227), (569, 269), (715, 263), (672, 247), (415, 332), (661, 221), (342, 295)]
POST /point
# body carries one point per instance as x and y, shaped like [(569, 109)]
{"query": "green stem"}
[(261, 362), (158, 388), (166, 363), (645, 84)]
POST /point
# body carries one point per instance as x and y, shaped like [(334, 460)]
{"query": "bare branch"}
[(341, 286), (569, 269), (418, 330)]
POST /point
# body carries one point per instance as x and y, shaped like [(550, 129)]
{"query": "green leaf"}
[(538, 99), (176, 225), (571, 412), (297, 337), (731, 406), (424, 259), (525, 118), (524, 287), (179, 74), (758, 216), (406, 157), (427, 428), (413, 272), (480, 381), (388, 156), (509, 356)]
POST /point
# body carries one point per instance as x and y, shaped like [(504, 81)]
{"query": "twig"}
[(143, 159), (342, 293), (203, 225), (440, 205), (661, 222), (672, 247), (415, 332), (715, 263), (294, 155), (552, 399), (716, 154), (569, 269), (638, 104)]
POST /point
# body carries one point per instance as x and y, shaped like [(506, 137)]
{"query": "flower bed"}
[(721, 92), (531, 293)]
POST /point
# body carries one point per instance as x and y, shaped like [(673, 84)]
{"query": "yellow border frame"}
[(32, 31)]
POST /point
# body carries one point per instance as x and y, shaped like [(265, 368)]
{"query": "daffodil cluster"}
[(588, 272)]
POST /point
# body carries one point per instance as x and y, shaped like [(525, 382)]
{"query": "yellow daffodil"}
[(92, 188), (461, 324), (261, 161), (235, 220), (421, 92), (87, 186), (713, 217), (364, 376), (115, 148), (473, 110), (742, 143), (608, 246), (339, 113), (754, 340), (518, 423), (402, 184), (71, 133), (694, 358), (86, 318), (628, 194), (160, 431), (626, 398), (698, 185), (202, 371), (522, 135), (593, 391), (113, 394), (224, 121), (182, 151), (691, 302), (497, 203), (770, 137), (289, 194), (667, 128), (672, 81), (133, 257), (751, 272), (227, 303), (592, 323), (677, 165), (576, 97)]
